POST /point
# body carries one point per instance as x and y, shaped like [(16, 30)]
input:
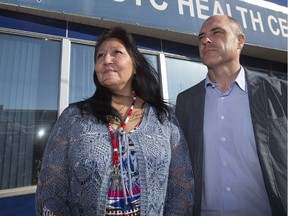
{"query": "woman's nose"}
[(108, 59)]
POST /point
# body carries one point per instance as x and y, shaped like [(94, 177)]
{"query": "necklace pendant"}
[(116, 179)]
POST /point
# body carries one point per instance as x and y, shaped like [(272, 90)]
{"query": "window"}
[(81, 72), (153, 60), (29, 86), (182, 74)]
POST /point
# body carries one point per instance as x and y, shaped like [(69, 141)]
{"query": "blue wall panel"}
[(26, 22), (18, 205)]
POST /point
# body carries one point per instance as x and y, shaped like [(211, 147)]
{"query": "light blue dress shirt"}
[(233, 183)]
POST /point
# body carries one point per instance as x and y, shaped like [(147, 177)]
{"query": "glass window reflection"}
[(29, 86), (182, 74), (81, 72), (153, 60)]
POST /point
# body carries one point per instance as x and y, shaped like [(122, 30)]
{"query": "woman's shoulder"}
[(153, 117), (71, 110), (75, 111)]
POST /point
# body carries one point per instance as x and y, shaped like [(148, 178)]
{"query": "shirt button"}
[(222, 98), (222, 117), (223, 139), (224, 163), (228, 189)]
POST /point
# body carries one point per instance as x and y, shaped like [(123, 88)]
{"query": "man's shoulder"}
[(272, 81), (196, 89), (264, 77)]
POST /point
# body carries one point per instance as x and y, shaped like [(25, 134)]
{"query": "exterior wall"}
[(167, 43)]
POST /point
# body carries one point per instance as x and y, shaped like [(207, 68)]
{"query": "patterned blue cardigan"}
[(76, 167)]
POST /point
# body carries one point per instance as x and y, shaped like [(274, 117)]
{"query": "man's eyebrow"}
[(216, 28), (200, 34), (211, 30)]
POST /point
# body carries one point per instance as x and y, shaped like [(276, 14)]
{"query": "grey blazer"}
[(268, 105)]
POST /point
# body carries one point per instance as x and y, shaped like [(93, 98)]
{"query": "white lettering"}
[(228, 10), (218, 9), (200, 8), (283, 27), (270, 19), (163, 6), (188, 3), (242, 12), (138, 2), (256, 20)]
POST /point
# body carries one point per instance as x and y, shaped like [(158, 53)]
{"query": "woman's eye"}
[(100, 55), (118, 52)]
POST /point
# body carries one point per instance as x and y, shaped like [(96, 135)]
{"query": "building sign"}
[(263, 26)]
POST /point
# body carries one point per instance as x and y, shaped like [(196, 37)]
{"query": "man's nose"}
[(206, 40)]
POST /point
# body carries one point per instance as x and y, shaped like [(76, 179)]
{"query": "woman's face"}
[(114, 66)]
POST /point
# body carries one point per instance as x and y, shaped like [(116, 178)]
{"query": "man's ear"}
[(241, 41)]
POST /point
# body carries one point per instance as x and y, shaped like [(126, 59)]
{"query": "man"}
[(236, 126)]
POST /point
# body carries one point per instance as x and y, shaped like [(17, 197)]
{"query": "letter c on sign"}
[(163, 6)]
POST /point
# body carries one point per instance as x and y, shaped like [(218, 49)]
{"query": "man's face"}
[(218, 44)]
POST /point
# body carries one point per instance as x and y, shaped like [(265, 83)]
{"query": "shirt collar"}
[(240, 80)]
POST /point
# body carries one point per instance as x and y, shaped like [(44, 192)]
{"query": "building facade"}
[(46, 63)]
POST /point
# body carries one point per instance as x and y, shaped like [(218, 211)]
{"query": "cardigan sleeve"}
[(52, 185), (180, 190)]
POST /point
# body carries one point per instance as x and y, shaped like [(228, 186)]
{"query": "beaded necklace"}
[(115, 139)]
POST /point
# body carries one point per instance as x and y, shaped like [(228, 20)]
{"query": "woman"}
[(120, 152)]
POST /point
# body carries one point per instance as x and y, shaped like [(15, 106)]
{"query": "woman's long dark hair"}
[(144, 84)]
